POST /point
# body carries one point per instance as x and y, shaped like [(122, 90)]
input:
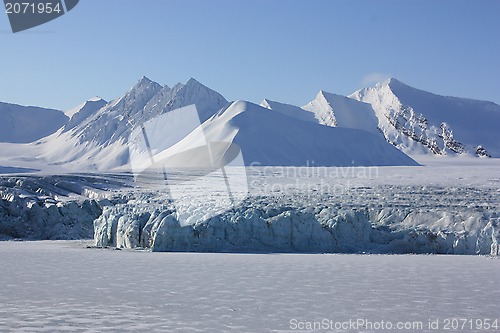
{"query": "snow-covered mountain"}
[(207, 101), (291, 143), (111, 122), (97, 134), (415, 121), (330, 110), (97, 138), (78, 114), (340, 111), (24, 124), (419, 122)]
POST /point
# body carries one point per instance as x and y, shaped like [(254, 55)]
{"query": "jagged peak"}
[(145, 79), (193, 86), (321, 94), (193, 83), (393, 83), (145, 82), (390, 83)]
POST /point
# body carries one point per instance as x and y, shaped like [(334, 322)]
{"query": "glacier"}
[(438, 208), (273, 224), (51, 207), (284, 214)]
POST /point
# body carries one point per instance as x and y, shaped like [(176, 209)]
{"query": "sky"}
[(284, 50)]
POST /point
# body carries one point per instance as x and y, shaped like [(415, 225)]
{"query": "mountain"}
[(331, 110), (415, 121), (340, 111), (111, 123), (207, 101), (293, 143), (24, 124), (97, 138), (78, 114), (420, 122), (330, 130)]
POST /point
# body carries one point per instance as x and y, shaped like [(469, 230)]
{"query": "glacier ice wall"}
[(50, 207), (445, 217), (265, 224)]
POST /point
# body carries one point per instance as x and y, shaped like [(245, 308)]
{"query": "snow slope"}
[(289, 110), (419, 122), (78, 114), (330, 110), (340, 111), (24, 124), (271, 138)]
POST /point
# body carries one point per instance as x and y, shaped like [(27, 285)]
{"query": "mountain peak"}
[(207, 101), (322, 95), (89, 106), (145, 79), (392, 82), (145, 83), (421, 122), (96, 99), (329, 97), (193, 83)]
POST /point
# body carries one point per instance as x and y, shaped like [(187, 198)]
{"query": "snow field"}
[(61, 286)]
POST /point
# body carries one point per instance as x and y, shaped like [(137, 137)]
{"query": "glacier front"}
[(395, 210)]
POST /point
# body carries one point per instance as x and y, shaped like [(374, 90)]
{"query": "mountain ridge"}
[(415, 121), (294, 142), (25, 124)]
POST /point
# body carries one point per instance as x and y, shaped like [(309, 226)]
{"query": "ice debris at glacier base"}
[(52, 207)]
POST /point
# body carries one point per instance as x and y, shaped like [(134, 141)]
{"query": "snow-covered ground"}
[(63, 286)]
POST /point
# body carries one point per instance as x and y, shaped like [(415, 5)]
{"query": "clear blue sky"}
[(285, 50)]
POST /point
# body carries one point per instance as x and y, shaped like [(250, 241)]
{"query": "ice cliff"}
[(305, 224)]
